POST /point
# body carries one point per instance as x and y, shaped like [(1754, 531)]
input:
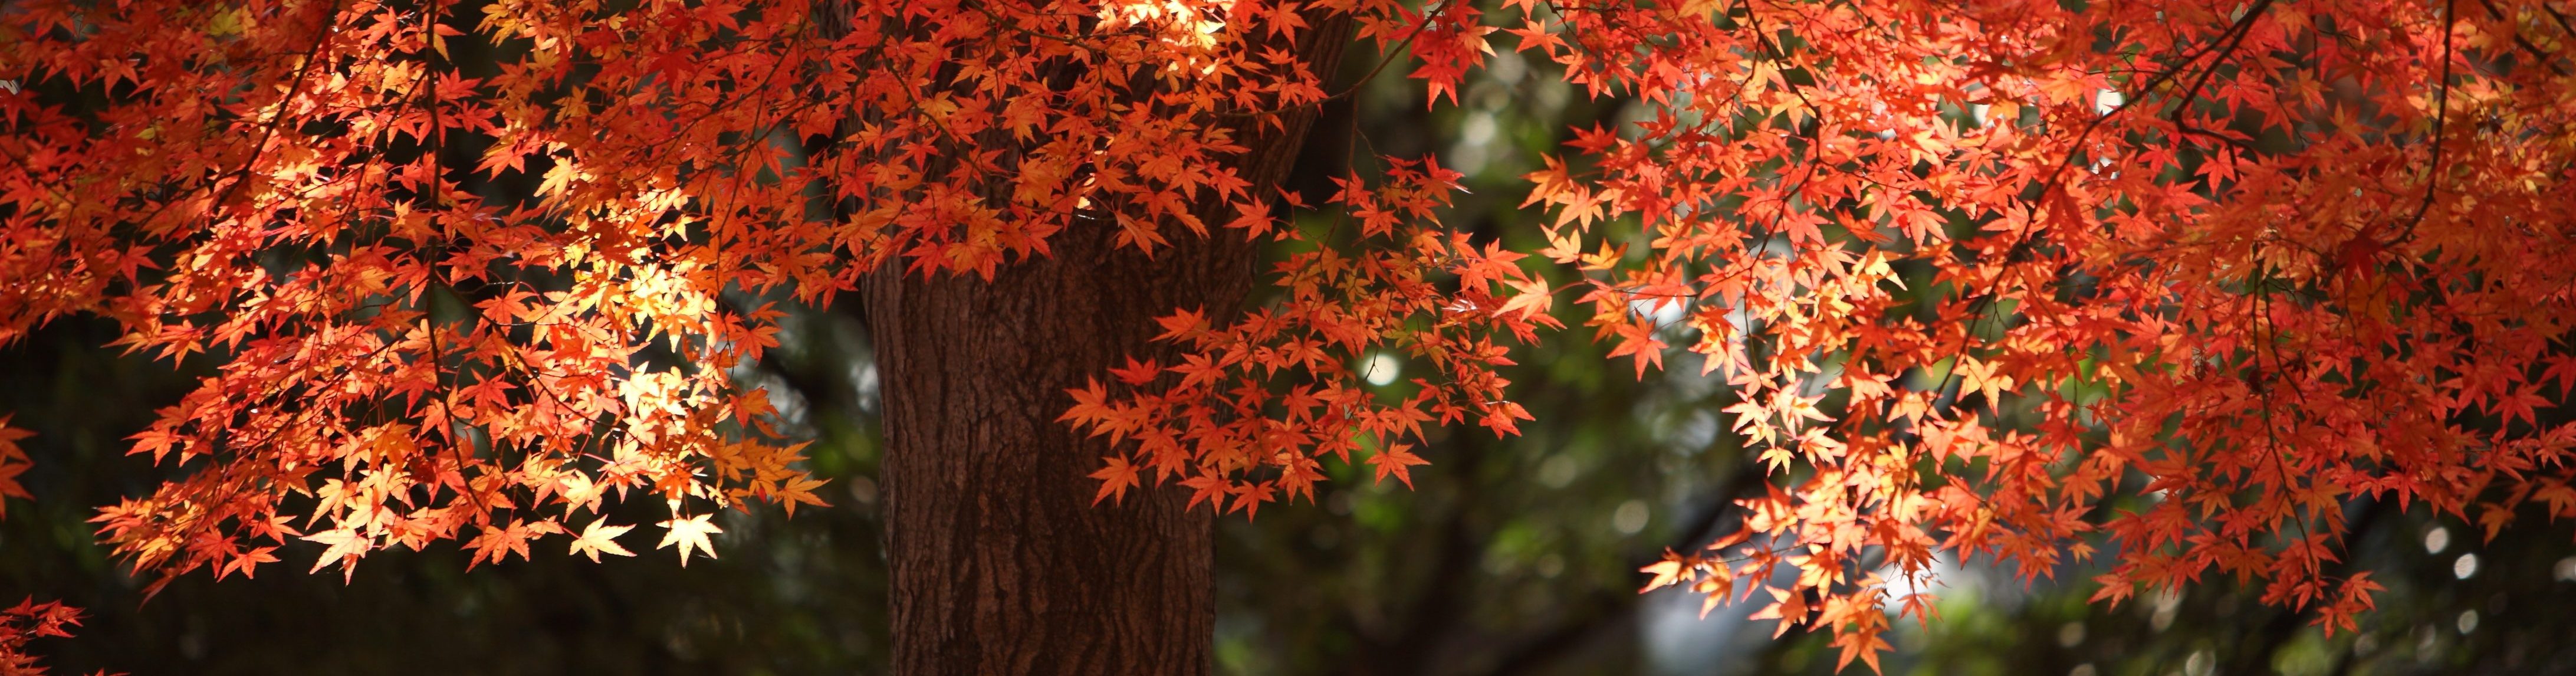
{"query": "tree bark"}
[(1000, 562)]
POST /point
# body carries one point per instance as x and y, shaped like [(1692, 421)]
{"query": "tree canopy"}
[(1973, 273)]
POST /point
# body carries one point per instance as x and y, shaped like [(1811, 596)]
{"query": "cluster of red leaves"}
[(2200, 275), (467, 277), (1253, 406), (2246, 261), (31, 620)]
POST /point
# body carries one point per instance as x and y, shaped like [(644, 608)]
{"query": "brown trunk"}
[(1001, 564)]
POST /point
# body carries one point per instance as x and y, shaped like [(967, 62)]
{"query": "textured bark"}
[(1001, 564)]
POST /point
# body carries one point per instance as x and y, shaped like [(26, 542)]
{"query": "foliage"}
[(1974, 272), (800, 595), (2170, 252), (29, 620)]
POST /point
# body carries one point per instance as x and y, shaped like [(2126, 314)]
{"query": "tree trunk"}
[(1000, 562)]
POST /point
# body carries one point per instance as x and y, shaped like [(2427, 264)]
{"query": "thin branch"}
[(2441, 111)]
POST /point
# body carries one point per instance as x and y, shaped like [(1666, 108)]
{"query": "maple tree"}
[(2251, 259)]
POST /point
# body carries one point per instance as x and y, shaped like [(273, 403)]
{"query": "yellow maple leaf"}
[(690, 533), (598, 538)]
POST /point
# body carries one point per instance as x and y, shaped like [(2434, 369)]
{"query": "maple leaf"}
[(1790, 609), (1665, 572), (1865, 645), (1115, 479), (13, 462), (796, 490), (497, 543), (345, 547), (689, 533), (1532, 300), (598, 538), (1207, 488), (1395, 461), (247, 563), (1979, 376)]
